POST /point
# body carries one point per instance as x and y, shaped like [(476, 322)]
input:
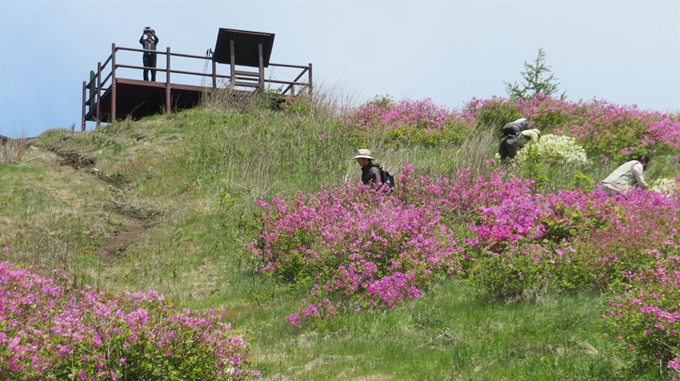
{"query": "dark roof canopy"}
[(245, 47)]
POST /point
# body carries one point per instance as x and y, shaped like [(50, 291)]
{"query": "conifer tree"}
[(538, 79)]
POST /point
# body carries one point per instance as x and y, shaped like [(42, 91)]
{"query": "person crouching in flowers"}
[(516, 135), (629, 175), (370, 172)]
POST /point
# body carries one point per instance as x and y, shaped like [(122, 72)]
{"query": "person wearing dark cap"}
[(370, 173), (149, 41)]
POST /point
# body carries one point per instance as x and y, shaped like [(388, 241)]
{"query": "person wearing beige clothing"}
[(516, 135), (627, 176), (532, 135)]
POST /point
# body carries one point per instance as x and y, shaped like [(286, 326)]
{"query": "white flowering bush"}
[(667, 186), (553, 149)]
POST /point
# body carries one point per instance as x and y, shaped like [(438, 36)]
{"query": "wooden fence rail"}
[(106, 78)]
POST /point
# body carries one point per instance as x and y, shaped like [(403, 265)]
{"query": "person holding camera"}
[(149, 41)]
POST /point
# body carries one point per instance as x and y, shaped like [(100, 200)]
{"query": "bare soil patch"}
[(136, 220), (74, 159), (113, 248)]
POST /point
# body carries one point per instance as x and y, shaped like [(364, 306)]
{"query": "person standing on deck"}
[(149, 41)]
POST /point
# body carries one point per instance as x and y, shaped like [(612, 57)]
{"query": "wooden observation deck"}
[(112, 95)]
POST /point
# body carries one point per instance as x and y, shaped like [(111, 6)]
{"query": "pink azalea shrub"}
[(514, 241), (607, 131), (623, 131), (354, 247), (603, 128), (647, 321), (408, 121), (571, 240), (494, 112), (49, 330), (459, 198), (357, 248)]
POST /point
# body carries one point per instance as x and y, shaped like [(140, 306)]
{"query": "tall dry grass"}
[(11, 150), (476, 149)]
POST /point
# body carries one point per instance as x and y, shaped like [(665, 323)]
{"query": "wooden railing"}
[(106, 75)]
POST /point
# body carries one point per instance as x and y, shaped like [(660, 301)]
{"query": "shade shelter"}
[(244, 48)]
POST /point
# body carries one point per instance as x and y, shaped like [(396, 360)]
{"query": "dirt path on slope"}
[(135, 221), (110, 251)]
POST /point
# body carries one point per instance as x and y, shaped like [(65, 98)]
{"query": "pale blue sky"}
[(626, 52)]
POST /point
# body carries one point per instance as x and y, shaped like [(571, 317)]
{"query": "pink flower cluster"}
[(604, 129), (648, 318), (366, 249), (354, 247), (359, 248), (51, 330), (616, 131), (674, 365), (462, 196), (422, 114), (598, 235)]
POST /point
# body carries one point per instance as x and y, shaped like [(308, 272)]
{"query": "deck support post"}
[(112, 117), (260, 53), (99, 92), (168, 90), (82, 120), (232, 64)]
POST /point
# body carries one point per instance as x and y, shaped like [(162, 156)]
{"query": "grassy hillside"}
[(168, 204)]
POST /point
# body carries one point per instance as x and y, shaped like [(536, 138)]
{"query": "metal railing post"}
[(311, 86), (112, 116), (82, 120), (99, 88), (232, 63), (261, 65), (168, 105), (214, 74)]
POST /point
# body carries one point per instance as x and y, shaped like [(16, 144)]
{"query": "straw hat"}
[(363, 153)]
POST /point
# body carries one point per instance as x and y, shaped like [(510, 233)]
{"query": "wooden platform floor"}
[(137, 99)]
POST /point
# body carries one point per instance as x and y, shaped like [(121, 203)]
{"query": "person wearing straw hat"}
[(370, 172)]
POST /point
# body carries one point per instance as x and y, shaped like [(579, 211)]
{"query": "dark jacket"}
[(514, 128), (370, 174), (149, 45)]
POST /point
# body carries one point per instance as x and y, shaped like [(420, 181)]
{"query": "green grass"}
[(193, 178), (448, 336)]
